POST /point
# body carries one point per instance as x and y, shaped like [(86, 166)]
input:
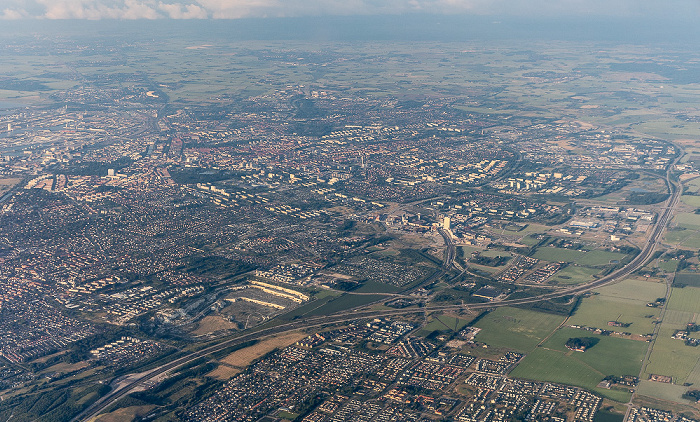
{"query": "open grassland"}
[(574, 274), (243, 357), (676, 319), (597, 258), (662, 391), (686, 299), (597, 311), (611, 356), (642, 291), (442, 323), (593, 258), (213, 323), (688, 221), (672, 357), (554, 366), (687, 279), (559, 254), (517, 329), (683, 238), (692, 200), (125, 414)]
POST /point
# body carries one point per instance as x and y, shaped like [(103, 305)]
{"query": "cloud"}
[(233, 9), (13, 14), (183, 11)]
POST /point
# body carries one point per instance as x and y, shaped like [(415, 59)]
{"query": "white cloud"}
[(232, 9), (180, 11), (96, 9), (13, 14)]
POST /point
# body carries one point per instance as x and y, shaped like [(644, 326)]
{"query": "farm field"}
[(688, 221), (683, 238), (574, 274), (442, 323), (559, 254), (517, 329), (685, 299), (592, 258), (555, 366), (672, 357), (692, 200)]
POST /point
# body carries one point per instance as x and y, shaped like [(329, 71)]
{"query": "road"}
[(639, 261)]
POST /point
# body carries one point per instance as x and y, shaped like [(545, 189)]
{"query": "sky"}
[(237, 9)]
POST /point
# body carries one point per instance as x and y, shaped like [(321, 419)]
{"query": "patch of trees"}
[(93, 168), (581, 343), (490, 261), (692, 395), (646, 198)]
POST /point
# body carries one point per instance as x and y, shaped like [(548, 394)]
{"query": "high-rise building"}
[(446, 223)]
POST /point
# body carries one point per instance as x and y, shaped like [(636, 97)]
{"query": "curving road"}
[(639, 261)]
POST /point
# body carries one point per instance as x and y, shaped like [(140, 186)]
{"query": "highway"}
[(349, 315)]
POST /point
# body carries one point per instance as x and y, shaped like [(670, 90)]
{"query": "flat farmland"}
[(686, 299), (574, 274), (517, 329), (610, 356), (559, 254), (671, 357), (555, 366), (688, 221)]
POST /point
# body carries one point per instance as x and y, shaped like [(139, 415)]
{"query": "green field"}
[(687, 239), (574, 274), (669, 266), (662, 391), (517, 329), (672, 357), (559, 254), (376, 287), (687, 279), (685, 299), (640, 290), (442, 323), (554, 366), (688, 220), (692, 200), (593, 258), (611, 356), (597, 258)]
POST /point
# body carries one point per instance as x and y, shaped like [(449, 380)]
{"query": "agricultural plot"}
[(559, 254), (692, 200), (442, 323), (688, 221), (687, 279), (610, 356), (554, 366), (671, 357), (683, 238), (597, 258), (662, 391), (574, 274), (517, 329), (685, 299)]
